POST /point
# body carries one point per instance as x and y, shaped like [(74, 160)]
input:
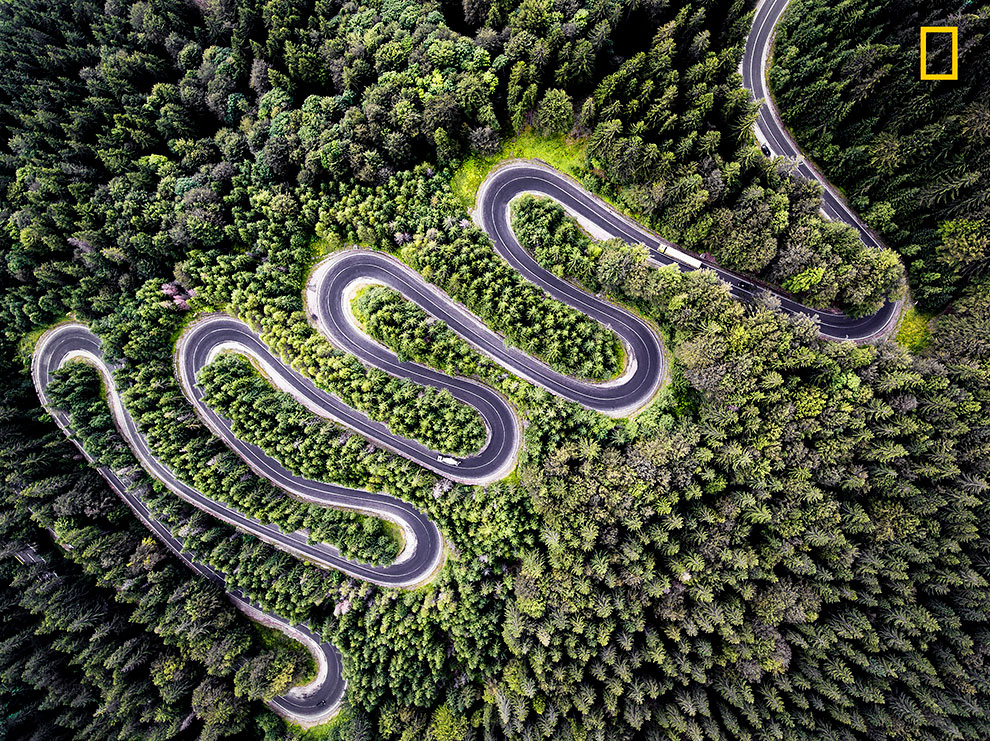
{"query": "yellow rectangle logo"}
[(954, 32)]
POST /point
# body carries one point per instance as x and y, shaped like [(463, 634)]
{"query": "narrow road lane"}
[(313, 704), (512, 180)]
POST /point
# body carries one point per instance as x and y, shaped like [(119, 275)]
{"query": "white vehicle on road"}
[(447, 460)]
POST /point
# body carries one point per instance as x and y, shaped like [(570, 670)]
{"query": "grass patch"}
[(198, 309), (395, 532), (567, 155), (338, 728), (914, 333), (323, 244), (25, 346), (275, 640)]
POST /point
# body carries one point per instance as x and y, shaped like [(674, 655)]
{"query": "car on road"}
[(766, 150), (447, 460)]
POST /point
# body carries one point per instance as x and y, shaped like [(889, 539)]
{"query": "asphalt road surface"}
[(69, 340), (204, 338), (424, 543), (515, 179), (328, 294), (629, 392)]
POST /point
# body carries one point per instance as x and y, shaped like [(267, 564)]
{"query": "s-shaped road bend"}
[(311, 704), (328, 293), (526, 176)]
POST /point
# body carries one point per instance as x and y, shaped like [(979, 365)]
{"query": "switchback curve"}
[(328, 297), (328, 294), (631, 391), (516, 178)]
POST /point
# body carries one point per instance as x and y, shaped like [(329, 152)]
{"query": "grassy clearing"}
[(914, 333), (25, 348), (322, 245), (561, 152), (275, 640), (337, 729)]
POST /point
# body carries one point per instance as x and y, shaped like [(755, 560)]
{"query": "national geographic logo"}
[(952, 31)]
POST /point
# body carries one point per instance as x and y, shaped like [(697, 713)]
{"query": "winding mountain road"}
[(514, 179), (423, 549), (328, 296), (328, 293), (628, 393)]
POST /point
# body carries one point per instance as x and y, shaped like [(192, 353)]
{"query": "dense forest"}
[(912, 154), (790, 542)]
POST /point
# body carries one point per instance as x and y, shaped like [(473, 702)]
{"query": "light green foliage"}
[(809, 402), (349, 724), (565, 154), (804, 280), (406, 328), (557, 242), (425, 413), (914, 332), (321, 449), (556, 113), (276, 640), (447, 726), (413, 334), (420, 216), (964, 247)]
